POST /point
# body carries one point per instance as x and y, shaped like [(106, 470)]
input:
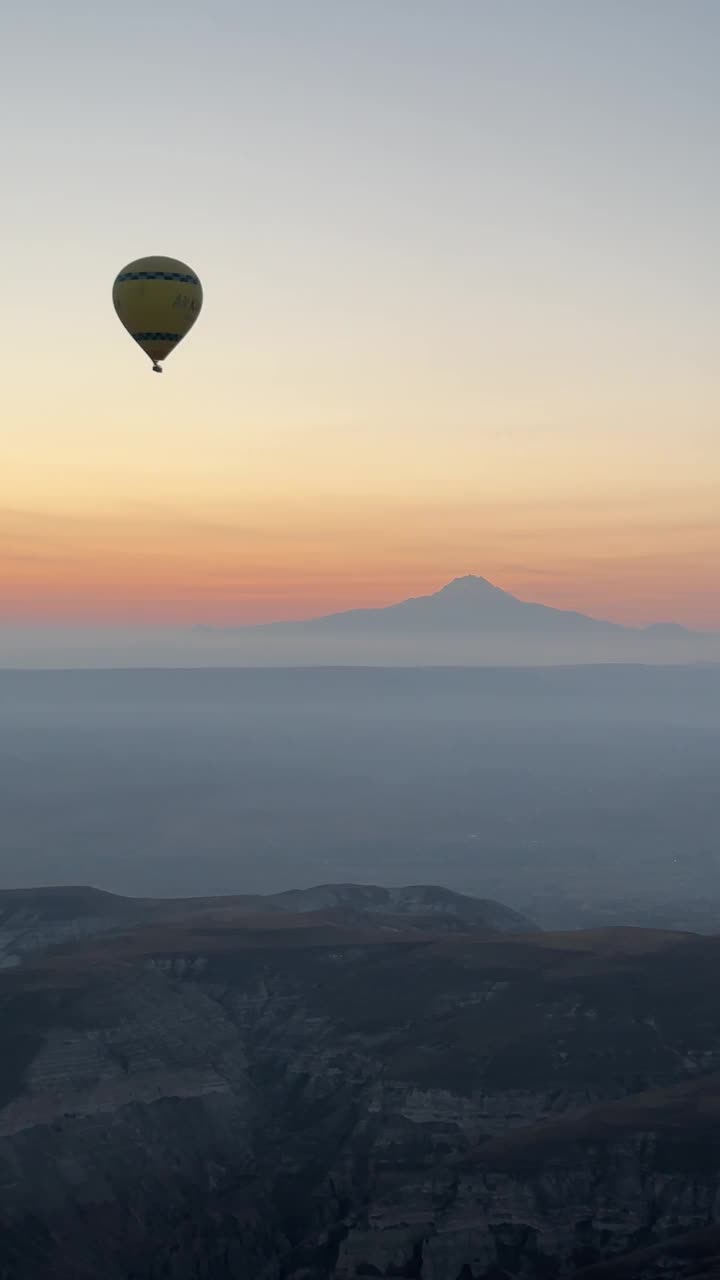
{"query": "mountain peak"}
[(468, 584)]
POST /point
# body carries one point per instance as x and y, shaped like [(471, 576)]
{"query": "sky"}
[(461, 277)]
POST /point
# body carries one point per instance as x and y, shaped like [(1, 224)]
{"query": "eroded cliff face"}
[(449, 1110)]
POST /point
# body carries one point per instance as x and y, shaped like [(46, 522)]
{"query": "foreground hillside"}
[(290, 1096)]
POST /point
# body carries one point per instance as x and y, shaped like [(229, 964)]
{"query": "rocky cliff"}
[(290, 1097)]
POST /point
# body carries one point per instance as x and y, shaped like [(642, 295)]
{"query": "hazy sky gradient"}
[(461, 306)]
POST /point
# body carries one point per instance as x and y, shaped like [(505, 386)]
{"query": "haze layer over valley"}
[(576, 795)]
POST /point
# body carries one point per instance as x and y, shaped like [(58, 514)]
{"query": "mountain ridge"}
[(470, 621), (31, 920), (470, 589)]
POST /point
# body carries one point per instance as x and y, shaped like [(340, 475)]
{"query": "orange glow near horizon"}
[(285, 560)]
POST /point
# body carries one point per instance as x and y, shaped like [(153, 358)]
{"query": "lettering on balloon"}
[(185, 302)]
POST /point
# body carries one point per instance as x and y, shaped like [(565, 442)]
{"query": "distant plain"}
[(577, 795)]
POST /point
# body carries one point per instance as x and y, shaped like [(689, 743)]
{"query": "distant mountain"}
[(468, 621)]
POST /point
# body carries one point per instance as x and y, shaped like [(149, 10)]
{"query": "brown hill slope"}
[(33, 919)]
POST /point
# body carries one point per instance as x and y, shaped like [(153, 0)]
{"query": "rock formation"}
[(289, 1095)]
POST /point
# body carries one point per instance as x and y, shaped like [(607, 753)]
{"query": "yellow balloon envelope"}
[(158, 301)]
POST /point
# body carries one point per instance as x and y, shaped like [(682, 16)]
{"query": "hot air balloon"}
[(158, 301)]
